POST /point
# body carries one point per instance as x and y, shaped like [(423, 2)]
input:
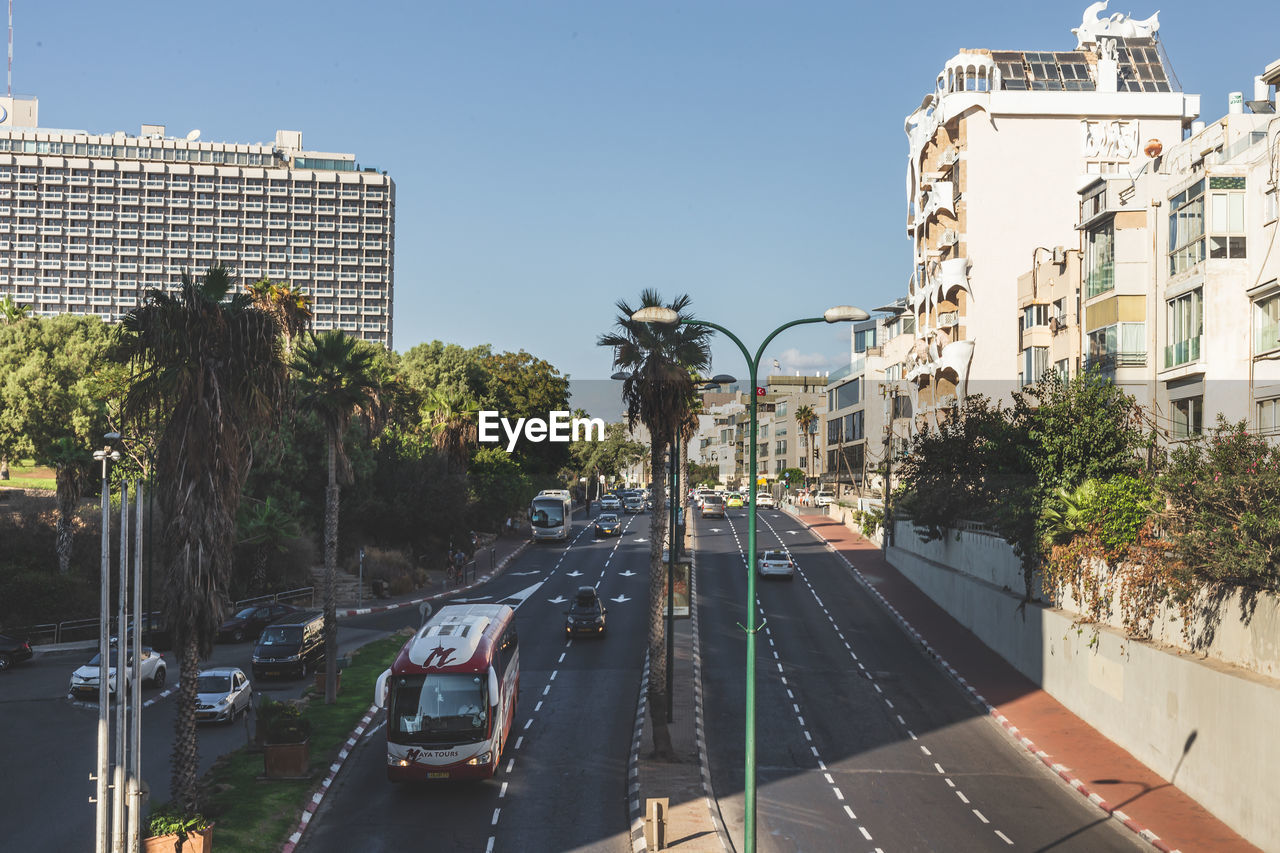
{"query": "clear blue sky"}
[(552, 157)]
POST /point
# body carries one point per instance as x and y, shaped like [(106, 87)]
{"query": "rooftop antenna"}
[(10, 48)]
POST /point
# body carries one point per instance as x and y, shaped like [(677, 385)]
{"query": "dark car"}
[(607, 524), (293, 645), (250, 621), (13, 651), (586, 614)]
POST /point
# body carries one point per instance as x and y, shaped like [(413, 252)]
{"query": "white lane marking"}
[(1006, 839), (827, 776), (925, 749), (839, 793), (938, 767), (864, 832), (554, 673), (850, 813), (950, 784), (496, 812), (546, 690), (375, 728), (502, 792), (527, 723), (562, 654), (488, 848), (510, 764), (520, 741), (962, 797), (538, 707), (981, 817)]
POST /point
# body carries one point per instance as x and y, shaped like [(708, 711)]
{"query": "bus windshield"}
[(277, 635), (547, 513), (443, 708)]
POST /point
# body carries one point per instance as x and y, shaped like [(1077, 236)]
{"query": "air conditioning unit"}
[(1059, 255), (948, 318), (949, 156), (950, 237)]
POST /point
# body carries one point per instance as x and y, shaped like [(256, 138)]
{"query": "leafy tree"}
[(498, 485), (337, 378), (700, 473), (446, 366), (54, 385), (609, 457), (793, 477), (208, 374), (267, 528), (658, 392), (520, 385), (451, 416)]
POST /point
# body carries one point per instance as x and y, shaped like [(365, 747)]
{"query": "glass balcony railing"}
[(1182, 352)]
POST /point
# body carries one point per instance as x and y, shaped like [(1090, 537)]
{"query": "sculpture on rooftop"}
[(1118, 25)]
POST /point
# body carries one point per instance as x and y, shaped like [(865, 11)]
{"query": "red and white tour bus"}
[(451, 695)]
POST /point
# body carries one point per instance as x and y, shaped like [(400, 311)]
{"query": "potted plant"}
[(286, 747), (170, 831)]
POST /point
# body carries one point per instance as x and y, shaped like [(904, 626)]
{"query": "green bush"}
[(167, 822), (1116, 509)]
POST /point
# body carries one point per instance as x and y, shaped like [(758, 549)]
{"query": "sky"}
[(551, 158)]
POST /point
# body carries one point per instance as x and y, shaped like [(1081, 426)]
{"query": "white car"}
[(222, 694), (610, 503), (85, 680), (764, 499), (776, 564), (824, 498)]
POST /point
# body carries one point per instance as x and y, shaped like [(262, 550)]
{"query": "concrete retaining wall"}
[(1208, 728)]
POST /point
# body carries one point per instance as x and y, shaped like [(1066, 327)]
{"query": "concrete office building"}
[(89, 222)]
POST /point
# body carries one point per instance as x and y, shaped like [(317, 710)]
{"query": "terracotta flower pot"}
[(197, 842)]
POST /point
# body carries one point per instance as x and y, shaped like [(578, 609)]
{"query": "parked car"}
[(586, 615), (733, 501), (776, 564), (222, 694), (610, 503), (764, 499), (13, 651), (712, 507), (824, 498), (607, 524), (85, 681), (292, 645), (250, 621)]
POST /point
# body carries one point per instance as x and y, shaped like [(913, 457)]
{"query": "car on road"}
[(611, 503), (824, 498), (607, 524), (85, 680), (292, 645), (733, 501), (712, 507), (586, 615), (776, 564), (633, 503), (764, 499), (250, 621), (13, 651), (222, 694)]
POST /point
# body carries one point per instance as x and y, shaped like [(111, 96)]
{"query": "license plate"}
[(437, 775), (271, 672)]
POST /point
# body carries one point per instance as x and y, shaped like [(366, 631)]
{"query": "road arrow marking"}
[(622, 599), (559, 599), (574, 574), (716, 529), (516, 599), (469, 600), (534, 572), (639, 539), (793, 532), (627, 574)]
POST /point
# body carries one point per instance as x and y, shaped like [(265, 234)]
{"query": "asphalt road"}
[(562, 779), (48, 743), (863, 743)]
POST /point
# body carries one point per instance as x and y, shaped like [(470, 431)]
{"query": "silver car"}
[(776, 564), (222, 694)]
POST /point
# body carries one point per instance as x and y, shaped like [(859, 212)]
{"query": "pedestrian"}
[(511, 526)]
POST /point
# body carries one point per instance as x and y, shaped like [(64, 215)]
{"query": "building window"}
[(1063, 369), (781, 410), (1186, 324), (864, 339), (1119, 345), (1099, 260), (1035, 315), (1269, 416), (1060, 311), (1269, 206), (1266, 324), (853, 426), (901, 406), (1226, 218), (1035, 361), (1187, 415), (1186, 228), (780, 446), (847, 395)]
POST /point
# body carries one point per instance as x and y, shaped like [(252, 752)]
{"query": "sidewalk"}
[(690, 825), (1111, 778)]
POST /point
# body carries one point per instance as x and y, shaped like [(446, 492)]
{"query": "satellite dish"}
[(193, 136)]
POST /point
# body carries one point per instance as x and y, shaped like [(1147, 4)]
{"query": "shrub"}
[(168, 821), (1116, 509), (283, 722)]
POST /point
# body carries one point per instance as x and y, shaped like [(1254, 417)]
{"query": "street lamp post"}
[(666, 316), (101, 815)]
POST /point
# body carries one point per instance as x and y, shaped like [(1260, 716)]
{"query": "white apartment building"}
[(90, 222), (997, 152)]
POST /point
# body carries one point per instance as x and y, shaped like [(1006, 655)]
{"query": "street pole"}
[(101, 826), (671, 571), (123, 665), (135, 690)]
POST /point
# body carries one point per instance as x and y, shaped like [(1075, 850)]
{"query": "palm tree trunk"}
[(331, 577), (662, 748), (67, 498), (185, 758), (683, 485)]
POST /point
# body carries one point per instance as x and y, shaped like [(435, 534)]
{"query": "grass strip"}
[(258, 815)]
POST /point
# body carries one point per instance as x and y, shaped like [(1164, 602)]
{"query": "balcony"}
[(1182, 352), (1109, 361)]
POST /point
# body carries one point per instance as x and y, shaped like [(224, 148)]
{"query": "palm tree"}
[(267, 527), (12, 312), (338, 379), (209, 379), (451, 416), (290, 305), (71, 476), (805, 419), (658, 393)]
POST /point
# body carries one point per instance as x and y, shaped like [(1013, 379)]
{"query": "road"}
[(562, 780), (860, 737)]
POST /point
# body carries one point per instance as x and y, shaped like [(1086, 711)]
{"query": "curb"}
[(634, 808), (1016, 736), (317, 797), (700, 730)]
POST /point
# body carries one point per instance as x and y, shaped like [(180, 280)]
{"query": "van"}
[(824, 498), (293, 645)]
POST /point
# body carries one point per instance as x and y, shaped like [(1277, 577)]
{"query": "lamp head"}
[(620, 376), (659, 314), (845, 313)]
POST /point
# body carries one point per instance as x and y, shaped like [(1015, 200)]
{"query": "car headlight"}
[(483, 758)]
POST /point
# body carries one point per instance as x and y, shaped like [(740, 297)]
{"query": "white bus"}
[(551, 514), (451, 695)]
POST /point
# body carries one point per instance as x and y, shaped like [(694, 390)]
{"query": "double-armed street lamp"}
[(665, 316)]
